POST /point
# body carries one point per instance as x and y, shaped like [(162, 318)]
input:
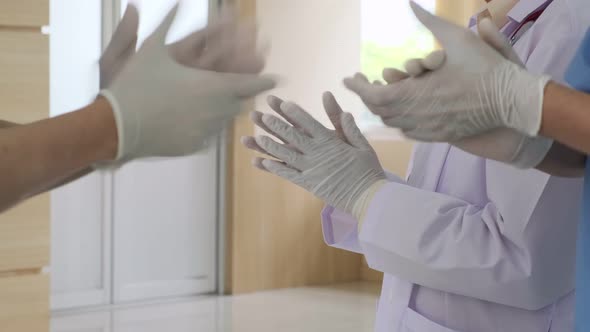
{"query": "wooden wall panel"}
[(24, 303), (24, 92), (25, 236), (24, 13), (24, 79), (274, 232), (24, 230), (275, 237)]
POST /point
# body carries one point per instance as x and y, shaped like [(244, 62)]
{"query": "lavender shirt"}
[(473, 245)]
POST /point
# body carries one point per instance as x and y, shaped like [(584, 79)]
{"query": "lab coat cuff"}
[(374, 214), (340, 230)]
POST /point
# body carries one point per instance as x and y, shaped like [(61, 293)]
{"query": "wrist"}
[(106, 127), (360, 207), (528, 93), (551, 106)]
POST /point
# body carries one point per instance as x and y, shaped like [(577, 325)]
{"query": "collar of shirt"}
[(516, 15)]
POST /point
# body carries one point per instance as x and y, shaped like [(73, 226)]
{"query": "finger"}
[(257, 162), (282, 170), (445, 31), (414, 67), (288, 133), (377, 82), (493, 37), (250, 143), (220, 49), (161, 32), (376, 95), (256, 117), (125, 36), (289, 156), (248, 86), (362, 77), (400, 123), (434, 60), (353, 133), (334, 111), (304, 119), (392, 75), (189, 50), (247, 57), (275, 103)]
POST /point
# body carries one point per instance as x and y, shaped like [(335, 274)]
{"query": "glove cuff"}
[(532, 151), (528, 95), (361, 205), (110, 97)]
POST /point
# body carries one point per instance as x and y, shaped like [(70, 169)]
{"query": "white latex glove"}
[(338, 171), (502, 144), (121, 47), (475, 90), (224, 45), (164, 109)]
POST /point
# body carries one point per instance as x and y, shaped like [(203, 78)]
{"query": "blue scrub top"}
[(583, 262), (578, 76)]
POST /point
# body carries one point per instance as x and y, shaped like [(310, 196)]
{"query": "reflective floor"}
[(342, 308)]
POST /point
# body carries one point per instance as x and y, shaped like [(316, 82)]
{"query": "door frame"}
[(112, 12), (104, 297)]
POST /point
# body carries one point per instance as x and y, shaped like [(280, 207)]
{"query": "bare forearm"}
[(566, 117), (64, 180), (61, 182), (37, 156), (563, 161)]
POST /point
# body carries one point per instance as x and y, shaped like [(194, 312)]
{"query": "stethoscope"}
[(527, 23)]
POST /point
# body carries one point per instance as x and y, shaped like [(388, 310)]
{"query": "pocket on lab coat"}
[(414, 322)]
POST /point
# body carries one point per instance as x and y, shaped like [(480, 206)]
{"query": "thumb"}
[(248, 86), (353, 133), (125, 36), (161, 31), (493, 37), (445, 31)]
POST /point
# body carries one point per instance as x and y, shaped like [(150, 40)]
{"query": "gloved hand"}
[(163, 108), (475, 90), (333, 111), (337, 170), (224, 45), (502, 144)]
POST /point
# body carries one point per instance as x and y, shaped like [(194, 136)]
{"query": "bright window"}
[(390, 35)]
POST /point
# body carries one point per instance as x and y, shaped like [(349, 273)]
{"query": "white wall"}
[(315, 44)]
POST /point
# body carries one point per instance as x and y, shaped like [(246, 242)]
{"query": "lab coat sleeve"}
[(341, 229), (442, 242)]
